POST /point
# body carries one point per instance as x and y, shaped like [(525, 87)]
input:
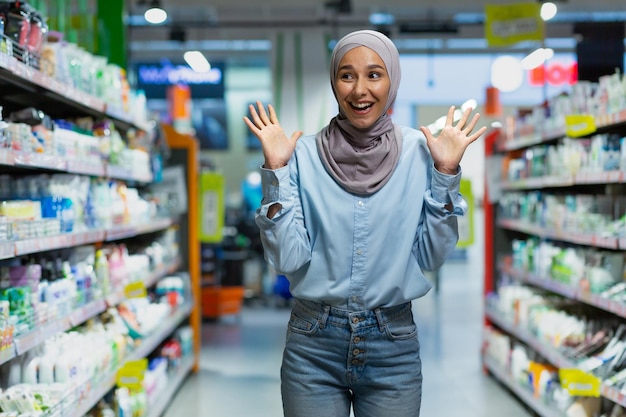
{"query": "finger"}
[(477, 134), (450, 116), (464, 118), (426, 131), (253, 128), (255, 116), (262, 114), (273, 116), (472, 124), (296, 135)]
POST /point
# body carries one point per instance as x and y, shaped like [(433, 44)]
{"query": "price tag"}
[(136, 290), (131, 374), (577, 125), (580, 383)]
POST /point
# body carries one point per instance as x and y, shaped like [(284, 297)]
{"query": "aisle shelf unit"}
[(552, 355), (498, 262), (24, 86), (539, 407), (185, 152), (99, 388)]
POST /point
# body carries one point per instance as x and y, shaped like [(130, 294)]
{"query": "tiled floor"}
[(241, 357)]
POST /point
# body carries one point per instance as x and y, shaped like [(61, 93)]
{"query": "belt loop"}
[(324, 317), (380, 319)]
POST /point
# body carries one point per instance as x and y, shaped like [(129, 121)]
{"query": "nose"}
[(360, 87)]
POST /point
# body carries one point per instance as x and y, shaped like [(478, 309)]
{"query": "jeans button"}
[(356, 352), (355, 320), (357, 339)]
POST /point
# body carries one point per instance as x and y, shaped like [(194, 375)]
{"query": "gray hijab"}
[(362, 160)]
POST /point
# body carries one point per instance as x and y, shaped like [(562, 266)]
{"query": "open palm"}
[(448, 147), (277, 147)]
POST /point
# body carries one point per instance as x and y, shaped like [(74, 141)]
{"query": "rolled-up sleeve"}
[(445, 190)]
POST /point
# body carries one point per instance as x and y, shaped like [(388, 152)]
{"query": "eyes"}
[(347, 76)]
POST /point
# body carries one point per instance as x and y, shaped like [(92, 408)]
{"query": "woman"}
[(352, 216)]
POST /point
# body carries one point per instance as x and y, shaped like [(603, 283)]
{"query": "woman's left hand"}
[(448, 148)]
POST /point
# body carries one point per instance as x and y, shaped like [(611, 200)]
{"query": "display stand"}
[(185, 153)]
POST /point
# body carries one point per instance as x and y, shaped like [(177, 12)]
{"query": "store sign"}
[(179, 74), (155, 78), (556, 74), (509, 24)]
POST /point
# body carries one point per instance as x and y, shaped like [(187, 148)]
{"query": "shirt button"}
[(355, 298), (359, 252), (361, 204), (356, 352), (274, 183), (355, 361)]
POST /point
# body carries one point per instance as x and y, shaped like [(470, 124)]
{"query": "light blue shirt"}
[(359, 252)]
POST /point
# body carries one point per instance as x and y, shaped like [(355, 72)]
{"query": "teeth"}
[(361, 106)]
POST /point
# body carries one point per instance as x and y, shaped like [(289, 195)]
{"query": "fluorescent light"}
[(548, 10), (378, 19), (155, 15), (197, 61), (537, 58)]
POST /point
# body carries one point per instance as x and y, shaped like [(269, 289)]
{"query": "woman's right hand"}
[(277, 148)]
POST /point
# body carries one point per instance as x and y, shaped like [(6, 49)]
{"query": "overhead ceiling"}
[(198, 22)]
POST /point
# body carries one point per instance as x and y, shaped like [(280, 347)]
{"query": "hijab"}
[(362, 160)]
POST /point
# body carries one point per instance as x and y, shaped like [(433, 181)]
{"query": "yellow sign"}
[(512, 23), (579, 383), (131, 374), (212, 187), (577, 125), (466, 222), (136, 290)]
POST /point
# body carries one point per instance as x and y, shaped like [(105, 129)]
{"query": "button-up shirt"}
[(359, 251)]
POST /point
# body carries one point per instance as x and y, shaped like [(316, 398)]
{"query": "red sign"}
[(554, 74)]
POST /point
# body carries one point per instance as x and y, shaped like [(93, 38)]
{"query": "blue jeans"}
[(335, 359)]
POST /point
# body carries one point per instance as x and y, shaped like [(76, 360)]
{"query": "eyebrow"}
[(372, 66)]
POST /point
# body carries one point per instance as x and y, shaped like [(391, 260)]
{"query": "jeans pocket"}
[(402, 327), (303, 325)]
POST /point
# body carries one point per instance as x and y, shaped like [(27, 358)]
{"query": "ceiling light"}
[(155, 14), (548, 10), (506, 74), (537, 58), (197, 61)]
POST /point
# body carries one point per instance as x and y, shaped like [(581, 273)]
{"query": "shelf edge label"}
[(577, 125), (580, 383)]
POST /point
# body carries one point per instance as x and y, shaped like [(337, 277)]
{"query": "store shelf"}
[(567, 291), (151, 279), (58, 99), (11, 157), (597, 241), (26, 342), (162, 399), (524, 394), (100, 388), (67, 240), (551, 354), (608, 177)]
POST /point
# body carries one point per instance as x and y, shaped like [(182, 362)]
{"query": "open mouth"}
[(361, 107)]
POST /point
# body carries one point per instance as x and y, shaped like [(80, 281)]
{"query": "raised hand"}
[(277, 147), (448, 148)]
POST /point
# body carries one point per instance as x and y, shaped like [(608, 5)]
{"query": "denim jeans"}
[(336, 359)]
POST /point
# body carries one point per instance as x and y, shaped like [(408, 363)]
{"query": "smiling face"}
[(362, 86)]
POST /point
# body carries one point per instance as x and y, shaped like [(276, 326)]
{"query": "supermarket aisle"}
[(241, 358)]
